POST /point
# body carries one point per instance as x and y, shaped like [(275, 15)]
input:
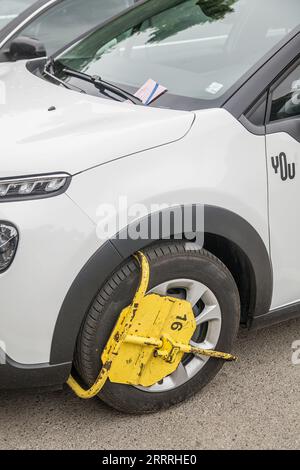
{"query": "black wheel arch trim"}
[(218, 221), (14, 375), (276, 316)]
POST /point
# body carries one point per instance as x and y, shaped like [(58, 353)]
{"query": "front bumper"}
[(55, 241)]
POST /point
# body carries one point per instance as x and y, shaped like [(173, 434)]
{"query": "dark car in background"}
[(35, 28)]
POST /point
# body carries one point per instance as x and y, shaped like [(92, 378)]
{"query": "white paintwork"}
[(148, 155), (36, 140), (284, 222), (200, 168)]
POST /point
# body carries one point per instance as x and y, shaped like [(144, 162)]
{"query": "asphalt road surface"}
[(254, 404)]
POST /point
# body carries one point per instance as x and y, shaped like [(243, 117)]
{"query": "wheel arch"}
[(226, 234)]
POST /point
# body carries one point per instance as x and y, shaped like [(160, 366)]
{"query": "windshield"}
[(195, 48), (10, 9)]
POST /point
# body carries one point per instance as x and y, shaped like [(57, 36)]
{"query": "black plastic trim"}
[(227, 224), (254, 118), (126, 246), (263, 83), (289, 125), (265, 74), (108, 258), (78, 300), (274, 317), (14, 375), (256, 130)]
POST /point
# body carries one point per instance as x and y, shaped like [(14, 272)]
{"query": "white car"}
[(85, 166)]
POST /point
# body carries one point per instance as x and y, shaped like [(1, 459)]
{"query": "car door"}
[(283, 160), (65, 20)]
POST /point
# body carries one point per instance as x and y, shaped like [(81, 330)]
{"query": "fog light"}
[(8, 244)]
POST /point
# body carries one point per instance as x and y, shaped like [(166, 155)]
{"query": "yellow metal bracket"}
[(149, 340)]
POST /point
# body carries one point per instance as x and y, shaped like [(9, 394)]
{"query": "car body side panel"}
[(284, 219)]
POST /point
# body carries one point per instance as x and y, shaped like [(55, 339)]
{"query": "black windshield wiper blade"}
[(49, 70), (103, 85)]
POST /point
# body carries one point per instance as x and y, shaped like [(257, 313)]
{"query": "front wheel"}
[(178, 270)]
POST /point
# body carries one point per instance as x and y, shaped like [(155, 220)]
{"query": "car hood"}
[(80, 131)]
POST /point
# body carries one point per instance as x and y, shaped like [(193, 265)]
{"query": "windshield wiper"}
[(103, 86), (49, 70)]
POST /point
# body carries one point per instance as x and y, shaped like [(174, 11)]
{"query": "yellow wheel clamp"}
[(149, 340)]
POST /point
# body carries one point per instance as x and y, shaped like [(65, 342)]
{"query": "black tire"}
[(171, 260)]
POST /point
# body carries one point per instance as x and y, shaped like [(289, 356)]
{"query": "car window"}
[(286, 97), (68, 19), (10, 9), (195, 48)]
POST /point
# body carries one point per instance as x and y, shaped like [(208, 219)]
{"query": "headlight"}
[(33, 187), (8, 244)]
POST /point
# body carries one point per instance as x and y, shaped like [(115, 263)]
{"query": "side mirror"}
[(24, 47)]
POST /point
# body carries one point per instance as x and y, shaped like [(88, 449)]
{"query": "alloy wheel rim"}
[(208, 317)]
